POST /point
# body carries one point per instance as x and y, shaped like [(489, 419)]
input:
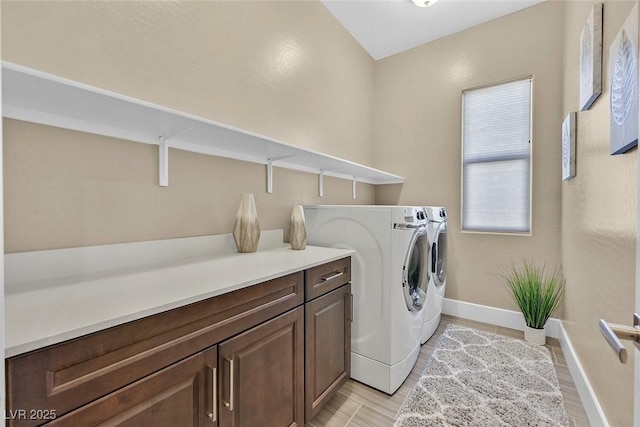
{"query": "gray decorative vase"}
[(297, 232), (246, 230)]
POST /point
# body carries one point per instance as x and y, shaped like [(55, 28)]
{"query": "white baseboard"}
[(554, 329), (585, 391), (494, 316)]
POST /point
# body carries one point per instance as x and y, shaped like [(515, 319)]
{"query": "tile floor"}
[(356, 404)]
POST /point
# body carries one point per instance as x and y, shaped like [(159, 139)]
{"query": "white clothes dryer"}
[(437, 232), (389, 279)]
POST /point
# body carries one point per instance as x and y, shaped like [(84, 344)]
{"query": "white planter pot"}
[(535, 336)]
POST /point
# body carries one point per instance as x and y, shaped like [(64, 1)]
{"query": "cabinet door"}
[(262, 374), (183, 394), (327, 347)]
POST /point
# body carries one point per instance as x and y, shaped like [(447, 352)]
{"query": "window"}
[(496, 158)]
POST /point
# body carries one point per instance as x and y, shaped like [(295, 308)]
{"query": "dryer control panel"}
[(436, 213), (414, 214)]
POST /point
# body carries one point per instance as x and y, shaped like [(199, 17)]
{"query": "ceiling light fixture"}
[(424, 3)]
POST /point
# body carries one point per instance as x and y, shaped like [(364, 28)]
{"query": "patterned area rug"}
[(479, 379)]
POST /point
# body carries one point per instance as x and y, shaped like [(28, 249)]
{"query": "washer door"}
[(439, 255), (415, 272)]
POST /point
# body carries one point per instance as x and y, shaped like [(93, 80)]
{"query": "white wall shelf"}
[(34, 96)]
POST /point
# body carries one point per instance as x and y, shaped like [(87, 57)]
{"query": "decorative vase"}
[(246, 230), (535, 336), (297, 232)]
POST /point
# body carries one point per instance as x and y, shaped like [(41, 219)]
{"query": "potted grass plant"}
[(538, 293)]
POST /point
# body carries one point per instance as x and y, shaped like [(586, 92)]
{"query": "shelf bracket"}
[(163, 156), (163, 151), (270, 162), (353, 188), (321, 183)]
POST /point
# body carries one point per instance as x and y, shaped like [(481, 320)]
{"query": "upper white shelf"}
[(38, 97)]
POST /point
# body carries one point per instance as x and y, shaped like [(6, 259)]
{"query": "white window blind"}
[(496, 158)]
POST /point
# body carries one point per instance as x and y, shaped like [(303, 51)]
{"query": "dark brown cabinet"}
[(235, 360), (328, 347), (262, 376), (182, 394), (256, 380), (328, 316)]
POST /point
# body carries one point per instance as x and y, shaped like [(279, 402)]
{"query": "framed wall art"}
[(591, 58), (623, 71), (569, 146)]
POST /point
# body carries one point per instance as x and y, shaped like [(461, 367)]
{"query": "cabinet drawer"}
[(327, 277), (179, 395), (68, 375)]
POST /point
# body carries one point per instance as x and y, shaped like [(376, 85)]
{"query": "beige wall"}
[(287, 70), (290, 71), (68, 189), (598, 225), (418, 127), (588, 224)]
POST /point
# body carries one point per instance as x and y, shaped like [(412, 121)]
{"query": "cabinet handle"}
[(348, 306), (229, 404), (333, 276), (213, 415)]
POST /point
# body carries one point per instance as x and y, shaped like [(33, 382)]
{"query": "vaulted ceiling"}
[(386, 27)]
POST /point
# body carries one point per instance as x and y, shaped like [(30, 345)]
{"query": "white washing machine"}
[(389, 279), (437, 232)]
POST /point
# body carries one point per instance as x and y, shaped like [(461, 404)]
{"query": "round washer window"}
[(439, 255), (416, 271)]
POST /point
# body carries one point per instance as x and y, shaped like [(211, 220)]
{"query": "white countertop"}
[(48, 311)]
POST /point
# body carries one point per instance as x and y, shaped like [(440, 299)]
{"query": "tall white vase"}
[(298, 231), (246, 230)]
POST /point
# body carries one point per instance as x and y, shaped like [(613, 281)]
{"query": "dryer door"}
[(415, 272), (439, 255)]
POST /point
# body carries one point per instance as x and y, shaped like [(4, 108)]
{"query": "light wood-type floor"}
[(359, 405)]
